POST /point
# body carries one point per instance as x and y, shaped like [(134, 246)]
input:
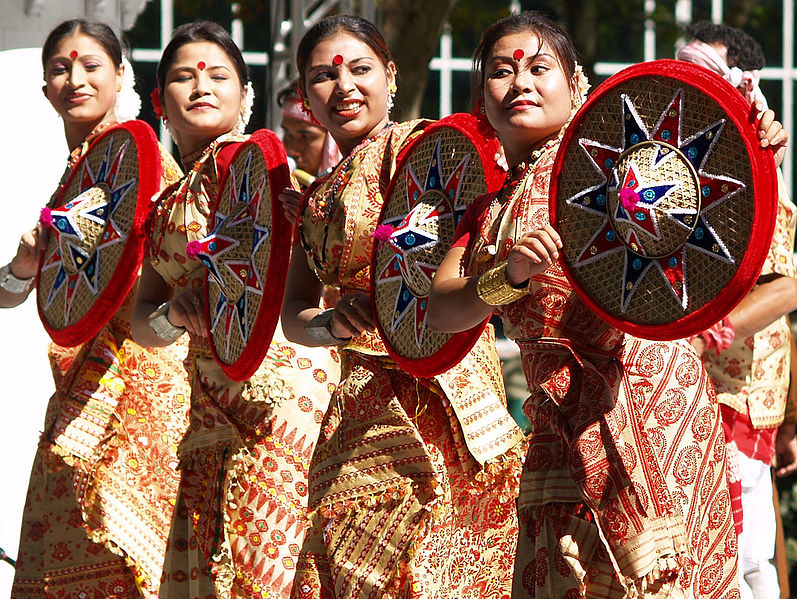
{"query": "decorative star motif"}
[(71, 238), (230, 261), (415, 232), (643, 199)]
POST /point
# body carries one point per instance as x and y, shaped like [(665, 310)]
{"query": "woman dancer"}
[(408, 499), (592, 522), (106, 461), (241, 511)]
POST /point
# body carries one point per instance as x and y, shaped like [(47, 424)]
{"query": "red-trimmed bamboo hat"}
[(96, 240), (664, 200), (247, 255), (442, 171)]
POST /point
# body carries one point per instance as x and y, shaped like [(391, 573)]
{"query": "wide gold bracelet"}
[(495, 290)]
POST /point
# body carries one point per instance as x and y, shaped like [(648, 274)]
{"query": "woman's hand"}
[(352, 316), (188, 310), (26, 261), (772, 134), (786, 450), (532, 254), (291, 200)]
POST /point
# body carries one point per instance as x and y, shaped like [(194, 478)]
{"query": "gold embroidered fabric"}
[(244, 462), (413, 480)]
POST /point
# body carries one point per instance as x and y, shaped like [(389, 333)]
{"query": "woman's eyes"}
[(361, 69), (500, 72)]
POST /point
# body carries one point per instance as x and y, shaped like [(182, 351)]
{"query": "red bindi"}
[(73, 54), (338, 60), (518, 54), (201, 65)]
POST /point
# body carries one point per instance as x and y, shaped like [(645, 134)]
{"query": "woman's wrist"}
[(495, 289), (20, 272), (13, 283), (163, 327), (319, 327)]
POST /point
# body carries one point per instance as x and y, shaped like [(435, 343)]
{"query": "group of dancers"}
[(331, 472)]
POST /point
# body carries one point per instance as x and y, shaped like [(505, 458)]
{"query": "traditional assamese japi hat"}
[(247, 254), (437, 176), (664, 200), (96, 242)]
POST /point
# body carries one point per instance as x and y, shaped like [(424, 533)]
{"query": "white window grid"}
[(305, 12)]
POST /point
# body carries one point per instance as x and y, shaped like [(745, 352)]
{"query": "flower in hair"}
[(249, 100), (155, 96)]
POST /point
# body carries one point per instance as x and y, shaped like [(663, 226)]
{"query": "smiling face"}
[(81, 82), (347, 85), (527, 96), (202, 95)]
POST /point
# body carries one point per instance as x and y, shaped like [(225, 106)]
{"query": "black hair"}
[(743, 50), (202, 31), (362, 29), (290, 91), (546, 30), (96, 29)]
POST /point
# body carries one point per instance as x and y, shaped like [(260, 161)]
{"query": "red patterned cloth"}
[(624, 491), (241, 515), (104, 480)]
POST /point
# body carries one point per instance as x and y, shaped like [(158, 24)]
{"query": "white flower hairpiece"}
[(128, 102), (246, 109)]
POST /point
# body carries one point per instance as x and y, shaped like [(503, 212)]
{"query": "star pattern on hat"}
[(225, 256), (416, 231), (640, 198), (66, 226)]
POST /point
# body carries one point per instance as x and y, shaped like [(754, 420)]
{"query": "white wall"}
[(32, 157)]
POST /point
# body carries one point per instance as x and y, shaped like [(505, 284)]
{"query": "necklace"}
[(324, 205), (514, 178)]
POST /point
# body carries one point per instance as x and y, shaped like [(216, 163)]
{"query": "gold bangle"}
[(495, 290)]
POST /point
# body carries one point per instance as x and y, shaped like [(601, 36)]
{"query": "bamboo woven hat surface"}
[(247, 254), (437, 176), (96, 240), (664, 200)]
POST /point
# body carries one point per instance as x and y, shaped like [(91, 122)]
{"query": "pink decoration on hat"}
[(383, 233), (201, 65), (518, 54), (629, 198), (338, 60), (155, 96), (193, 249), (46, 218)]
